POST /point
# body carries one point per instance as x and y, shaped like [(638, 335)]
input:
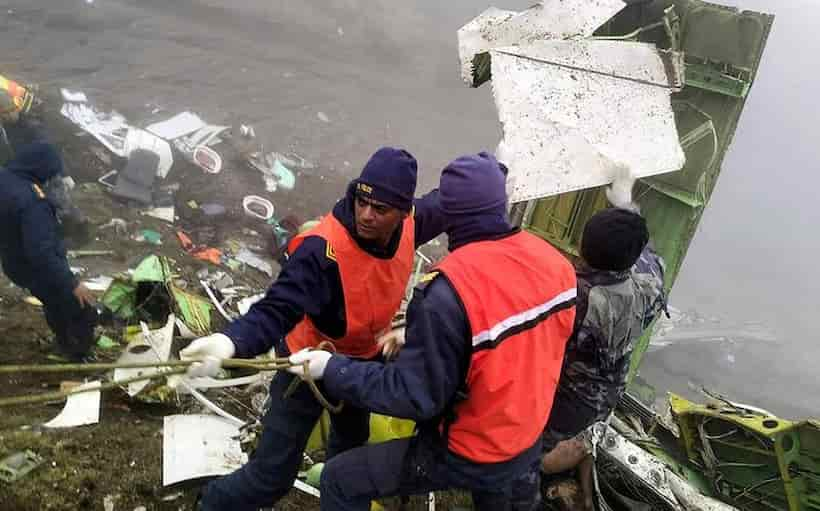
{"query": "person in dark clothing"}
[(32, 252), (484, 344), (620, 293), (343, 283)]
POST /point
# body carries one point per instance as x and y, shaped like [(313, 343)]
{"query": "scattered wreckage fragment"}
[(80, 409)]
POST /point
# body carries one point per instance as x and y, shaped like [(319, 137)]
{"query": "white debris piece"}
[(643, 465), (570, 109), (166, 213), (74, 97), (195, 446), (255, 261), (691, 499), (177, 126), (80, 409), (261, 204), (550, 19), (244, 305), (151, 348), (100, 283), (110, 129), (141, 139)]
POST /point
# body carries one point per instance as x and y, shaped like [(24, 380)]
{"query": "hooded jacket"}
[(32, 252)]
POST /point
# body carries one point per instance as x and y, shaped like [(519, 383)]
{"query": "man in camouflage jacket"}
[(620, 293)]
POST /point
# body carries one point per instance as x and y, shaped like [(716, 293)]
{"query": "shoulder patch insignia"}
[(38, 191), (330, 252), (426, 279)]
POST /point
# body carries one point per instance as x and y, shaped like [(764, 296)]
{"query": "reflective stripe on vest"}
[(373, 289), (519, 295)]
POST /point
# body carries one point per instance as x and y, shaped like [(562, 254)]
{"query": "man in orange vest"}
[(484, 344), (343, 283)]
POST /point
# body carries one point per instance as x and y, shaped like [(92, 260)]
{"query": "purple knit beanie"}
[(473, 184)]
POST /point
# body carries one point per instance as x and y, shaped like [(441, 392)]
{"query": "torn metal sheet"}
[(255, 261), (196, 147), (196, 446), (570, 110), (691, 499), (551, 19), (154, 347), (80, 409), (110, 129), (141, 139), (641, 465), (182, 124)]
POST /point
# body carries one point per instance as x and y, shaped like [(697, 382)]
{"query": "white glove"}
[(317, 363), (391, 342), (619, 192), (212, 349)]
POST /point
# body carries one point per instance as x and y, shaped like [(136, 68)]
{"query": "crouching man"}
[(483, 349), (620, 292)]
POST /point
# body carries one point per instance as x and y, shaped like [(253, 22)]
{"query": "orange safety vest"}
[(373, 289), (519, 295)]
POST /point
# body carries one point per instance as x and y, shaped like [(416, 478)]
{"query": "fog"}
[(387, 73)]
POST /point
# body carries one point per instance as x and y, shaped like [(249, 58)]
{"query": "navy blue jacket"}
[(424, 380), (310, 283), (32, 252)]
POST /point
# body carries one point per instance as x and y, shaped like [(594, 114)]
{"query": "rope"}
[(54, 396), (307, 378), (174, 366)]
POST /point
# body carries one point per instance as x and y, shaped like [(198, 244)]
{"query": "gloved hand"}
[(619, 192), (212, 349), (391, 342), (317, 363)]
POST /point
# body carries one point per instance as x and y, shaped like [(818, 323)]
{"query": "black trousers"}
[(72, 324), (414, 466), (270, 472)]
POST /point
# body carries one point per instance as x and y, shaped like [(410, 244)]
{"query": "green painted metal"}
[(756, 461), (707, 77), (723, 48)]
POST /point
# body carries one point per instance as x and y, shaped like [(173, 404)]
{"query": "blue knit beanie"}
[(473, 184), (390, 177)]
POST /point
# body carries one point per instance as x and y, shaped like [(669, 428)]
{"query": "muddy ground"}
[(121, 456)]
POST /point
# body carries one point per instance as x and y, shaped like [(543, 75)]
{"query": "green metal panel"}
[(723, 47), (757, 461)]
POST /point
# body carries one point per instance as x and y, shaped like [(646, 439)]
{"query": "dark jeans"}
[(413, 466), (271, 470), (72, 324)]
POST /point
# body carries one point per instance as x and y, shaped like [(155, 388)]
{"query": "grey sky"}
[(754, 255)]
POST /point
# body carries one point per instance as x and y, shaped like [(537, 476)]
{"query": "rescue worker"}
[(485, 339), (620, 292), (343, 283), (32, 251)]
